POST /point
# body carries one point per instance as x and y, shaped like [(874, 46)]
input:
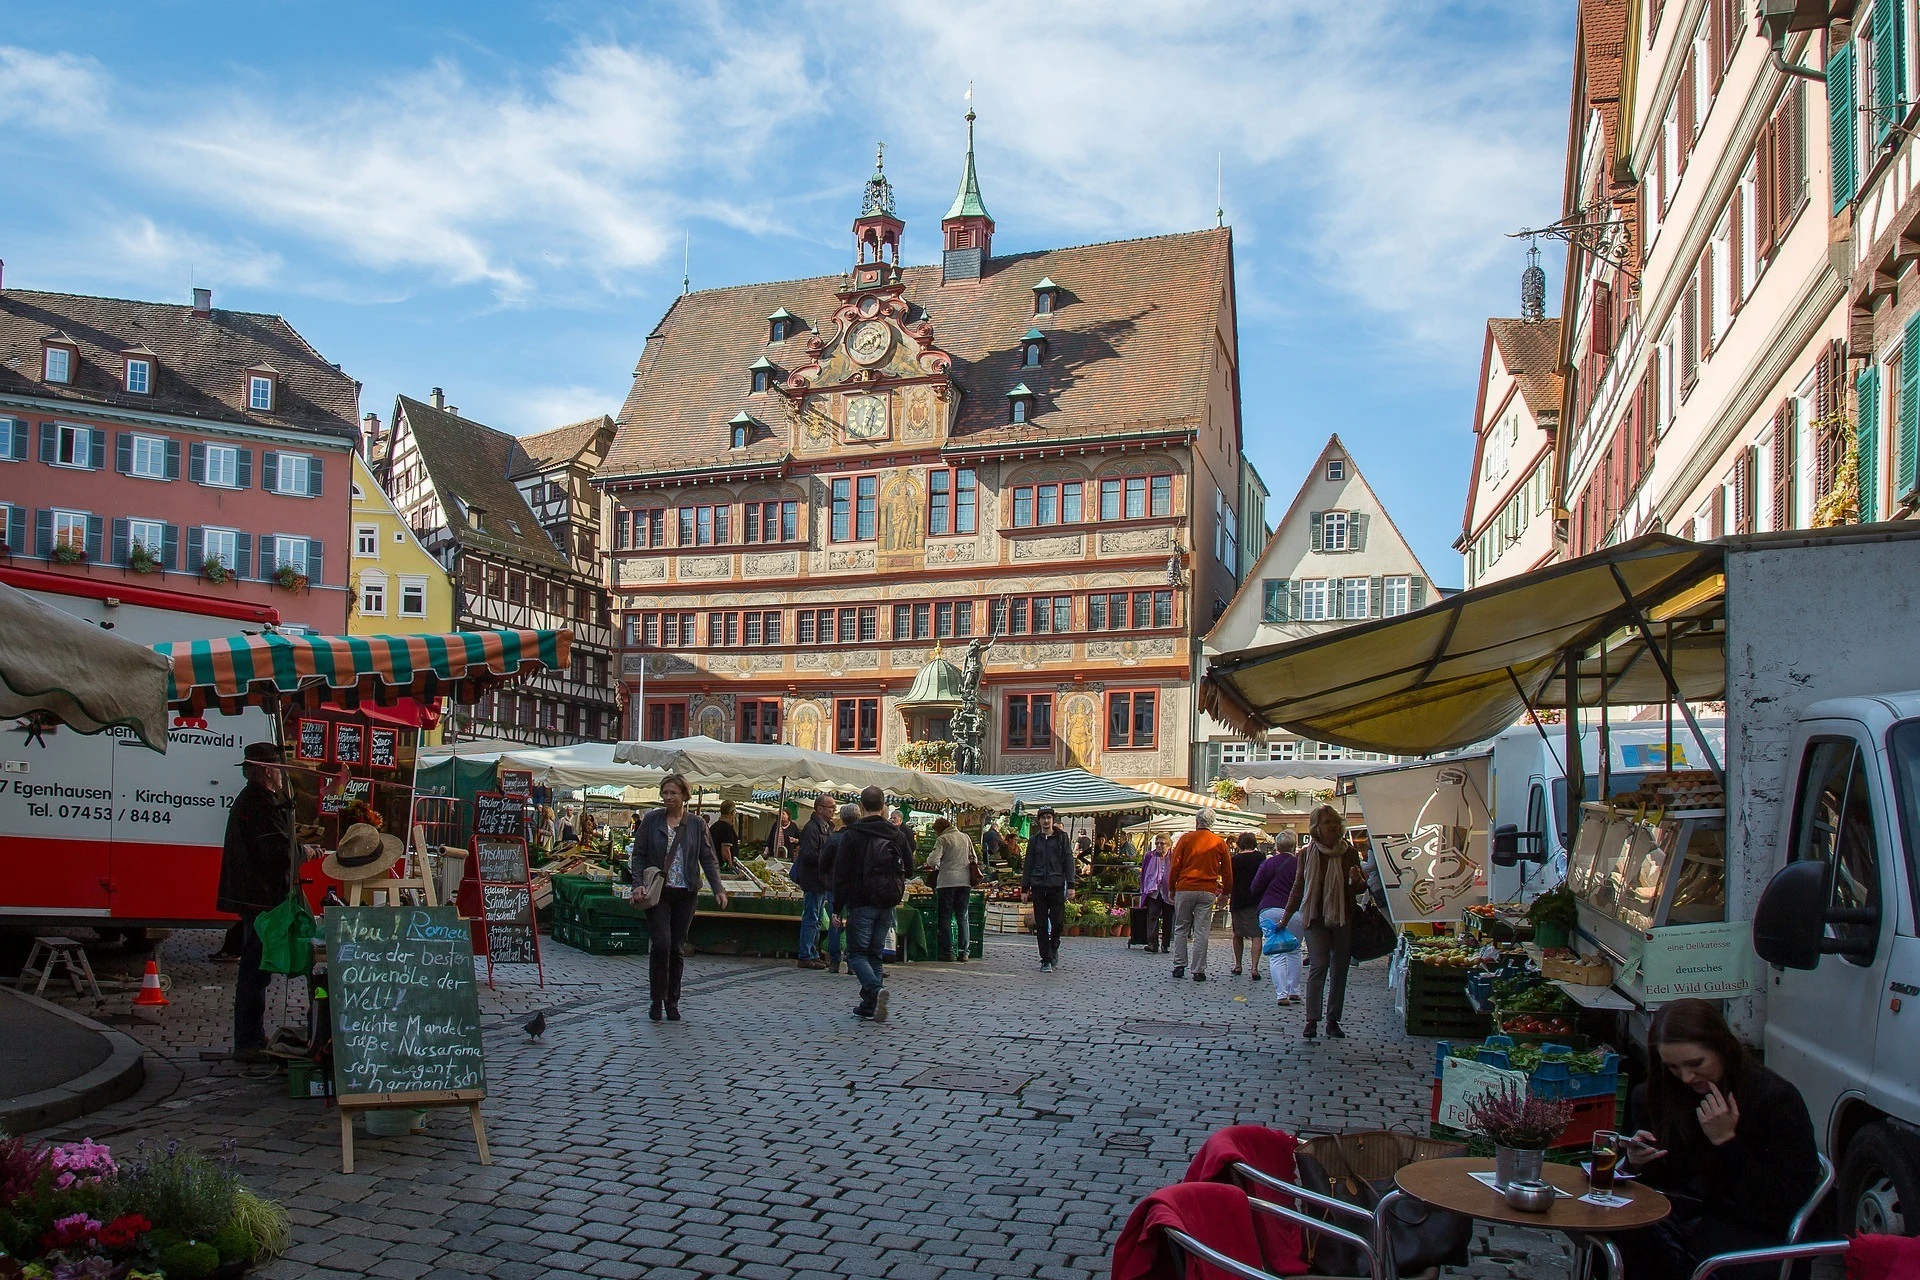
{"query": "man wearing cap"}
[(1046, 879), (256, 868)]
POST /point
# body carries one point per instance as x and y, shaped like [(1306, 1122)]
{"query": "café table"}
[(1449, 1184)]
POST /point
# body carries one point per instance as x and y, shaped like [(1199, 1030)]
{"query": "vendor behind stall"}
[(256, 870)]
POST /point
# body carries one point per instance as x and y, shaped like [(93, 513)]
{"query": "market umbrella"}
[(87, 678), (583, 764), (708, 762)]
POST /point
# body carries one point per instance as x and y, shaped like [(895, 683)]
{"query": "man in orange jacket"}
[(1202, 876)]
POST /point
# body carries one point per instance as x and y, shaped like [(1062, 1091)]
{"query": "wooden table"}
[(1448, 1184)]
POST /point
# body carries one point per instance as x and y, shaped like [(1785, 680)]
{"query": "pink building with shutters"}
[(183, 447)]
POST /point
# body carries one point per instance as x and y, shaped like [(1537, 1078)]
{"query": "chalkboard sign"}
[(517, 782), (350, 743), (383, 748), (310, 743), (502, 861), (335, 802), (496, 815), (406, 1010), (508, 911)]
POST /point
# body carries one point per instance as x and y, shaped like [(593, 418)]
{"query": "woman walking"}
[(953, 861), (677, 844), (1156, 895), (1242, 908), (1272, 886), (1321, 903)]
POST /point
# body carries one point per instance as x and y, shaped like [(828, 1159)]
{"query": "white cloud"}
[(526, 410), (56, 92)]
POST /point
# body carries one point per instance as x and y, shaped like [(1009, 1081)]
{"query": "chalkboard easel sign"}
[(506, 903), (517, 783), (310, 741), (495, 814), (406, 1015), (383, 748)]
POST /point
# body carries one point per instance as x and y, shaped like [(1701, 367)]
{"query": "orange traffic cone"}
[(151, 996)]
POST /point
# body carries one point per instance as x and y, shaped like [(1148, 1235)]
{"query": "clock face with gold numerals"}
[(870, 342), (867, 418)]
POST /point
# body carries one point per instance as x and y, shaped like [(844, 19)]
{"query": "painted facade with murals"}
[(820, 486)]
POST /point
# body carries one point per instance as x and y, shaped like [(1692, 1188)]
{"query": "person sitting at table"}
[(1724, 1137)]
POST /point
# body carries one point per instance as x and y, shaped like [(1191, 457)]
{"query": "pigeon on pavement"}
[(535, 1025)]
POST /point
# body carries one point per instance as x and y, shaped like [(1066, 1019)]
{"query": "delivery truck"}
[(101, 830)]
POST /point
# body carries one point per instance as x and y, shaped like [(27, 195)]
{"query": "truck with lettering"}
[(100, 829)]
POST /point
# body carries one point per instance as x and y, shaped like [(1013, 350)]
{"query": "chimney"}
[(369, 435), (438, 399), (3, 273), (454, 409), (203, 302)]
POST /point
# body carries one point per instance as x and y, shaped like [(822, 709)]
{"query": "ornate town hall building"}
[(820, 487)]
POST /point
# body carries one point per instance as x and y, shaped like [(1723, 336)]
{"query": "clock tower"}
[(876, 232)]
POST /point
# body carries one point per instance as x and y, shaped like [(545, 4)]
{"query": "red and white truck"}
[(100, 830)]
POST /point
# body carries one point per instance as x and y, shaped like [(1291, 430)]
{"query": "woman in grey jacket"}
[(677, 842)]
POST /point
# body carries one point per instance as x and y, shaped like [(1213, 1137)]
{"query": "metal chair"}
[(1184, 1245), (1379, 1267), (1785, 1253)]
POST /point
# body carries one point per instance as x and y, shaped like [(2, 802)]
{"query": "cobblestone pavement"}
[(1003, 1122)]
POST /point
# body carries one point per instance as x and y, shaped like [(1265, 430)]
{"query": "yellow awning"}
[(1454, 673)]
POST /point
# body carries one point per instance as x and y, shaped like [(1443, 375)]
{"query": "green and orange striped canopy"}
[(272, 669)]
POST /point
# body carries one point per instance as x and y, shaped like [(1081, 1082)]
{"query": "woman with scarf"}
[(1320, 909)]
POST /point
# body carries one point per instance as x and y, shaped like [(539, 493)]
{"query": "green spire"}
[(967, 202)]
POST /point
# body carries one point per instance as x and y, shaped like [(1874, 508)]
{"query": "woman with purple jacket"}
[(1156, 895), (1272, 885)]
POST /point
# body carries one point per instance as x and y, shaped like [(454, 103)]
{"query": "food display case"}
[(1639, 866)]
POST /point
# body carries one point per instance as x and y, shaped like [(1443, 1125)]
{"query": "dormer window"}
[(57, 360), (741, 430), (262, 389), (780, 325), (1020, 404), (1045, 295), (139, 379), (1033, 349), (761, 371)]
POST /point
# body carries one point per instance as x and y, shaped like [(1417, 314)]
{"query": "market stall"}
[(56, 668)]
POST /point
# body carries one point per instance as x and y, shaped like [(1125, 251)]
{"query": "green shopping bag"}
[(286, 936)]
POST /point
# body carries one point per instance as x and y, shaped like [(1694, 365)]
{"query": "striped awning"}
[(1067, 791), (1176, 800), (230, 672)]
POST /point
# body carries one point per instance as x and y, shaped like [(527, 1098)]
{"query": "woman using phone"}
[(1727, 1140)]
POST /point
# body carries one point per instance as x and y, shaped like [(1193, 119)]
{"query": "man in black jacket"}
[(807, 874), (1047, 880), (256, 870), (869, 879)]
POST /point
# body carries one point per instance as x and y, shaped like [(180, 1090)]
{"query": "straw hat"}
[(364, 852)]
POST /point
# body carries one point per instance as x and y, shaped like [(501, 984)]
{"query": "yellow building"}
[(398, 587)]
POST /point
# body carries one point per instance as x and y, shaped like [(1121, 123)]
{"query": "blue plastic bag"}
[(1278, 942)]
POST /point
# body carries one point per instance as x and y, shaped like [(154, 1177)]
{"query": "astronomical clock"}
[(874, 379)]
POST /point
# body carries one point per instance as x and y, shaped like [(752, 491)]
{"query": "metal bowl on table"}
[(1530, 1197)]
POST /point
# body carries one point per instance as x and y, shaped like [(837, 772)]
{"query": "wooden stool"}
[(65, 952)]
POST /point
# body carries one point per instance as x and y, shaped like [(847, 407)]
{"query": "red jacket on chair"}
[(1877, 1258), (1271, 1152), (1214, 1213)]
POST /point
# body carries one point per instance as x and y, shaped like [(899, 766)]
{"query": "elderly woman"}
[(1272, 886), (1321, 903), (1156, 895), (677, 843)]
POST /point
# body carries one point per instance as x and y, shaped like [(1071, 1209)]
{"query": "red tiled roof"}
[(1129, 351), (471, 461), (1531, 351), (200, 361), (561, 445)]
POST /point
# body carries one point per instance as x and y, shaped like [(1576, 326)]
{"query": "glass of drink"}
[(1606, 1159)]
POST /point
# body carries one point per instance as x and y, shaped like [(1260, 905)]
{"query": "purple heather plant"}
[(1512, 1117)]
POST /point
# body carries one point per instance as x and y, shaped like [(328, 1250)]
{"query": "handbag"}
[(1358, 1168), (652, 883), (286, 936), (975, 878), (1373, 934)]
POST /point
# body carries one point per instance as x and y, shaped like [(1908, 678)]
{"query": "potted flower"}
[(1521, 1126), (214, 570), (1554, 915), (141, 560), (68, 553), (288, 578)]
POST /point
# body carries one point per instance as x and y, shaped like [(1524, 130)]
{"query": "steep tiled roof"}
[(560, 445), (1128, 351), (201, 361), (471, 461), (1531, 352)]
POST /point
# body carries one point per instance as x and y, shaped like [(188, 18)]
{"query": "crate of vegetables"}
[(1536, 1015), (1591, 1081), (1437, 1003)]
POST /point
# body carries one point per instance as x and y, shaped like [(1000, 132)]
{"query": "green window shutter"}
[(1841, 131), (1867, 436), (1315, 519), (1883, 73), (1273, 600), (1909, 407)]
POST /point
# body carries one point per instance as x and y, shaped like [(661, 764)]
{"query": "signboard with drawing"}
[(1429, 829)]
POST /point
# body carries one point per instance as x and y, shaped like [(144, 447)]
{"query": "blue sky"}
[(494, 198)]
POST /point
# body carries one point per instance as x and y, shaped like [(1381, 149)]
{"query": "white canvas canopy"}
[(585, 764), (710, 763), (86, 678)]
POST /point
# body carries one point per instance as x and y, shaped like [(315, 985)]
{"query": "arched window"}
[(1020, 409), (759, 380), (739, 437), (1032, 355)]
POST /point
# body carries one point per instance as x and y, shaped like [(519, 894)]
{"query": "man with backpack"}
[(869, 880)]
